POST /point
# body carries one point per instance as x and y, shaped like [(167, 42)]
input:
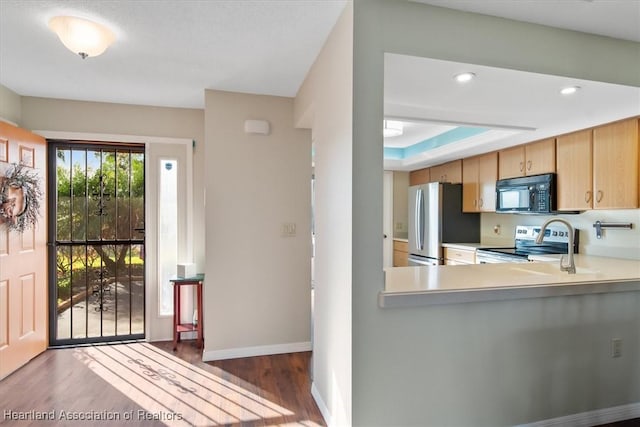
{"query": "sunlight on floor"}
[(176, 392)]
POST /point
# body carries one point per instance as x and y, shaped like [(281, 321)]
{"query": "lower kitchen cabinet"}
[(400, 253), (458, 256)]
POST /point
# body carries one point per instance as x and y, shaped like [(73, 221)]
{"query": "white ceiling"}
[(517, 106), (168, 51), (619, 19)]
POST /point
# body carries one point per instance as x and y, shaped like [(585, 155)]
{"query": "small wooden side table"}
[(178, 328)]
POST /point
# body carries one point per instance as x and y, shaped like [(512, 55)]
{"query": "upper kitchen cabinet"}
[(420, 176), (447, 172), (615, 165), (479, 175), (574, 153), (528, 159)]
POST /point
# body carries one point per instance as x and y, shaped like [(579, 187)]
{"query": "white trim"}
[(592, 418), (110, 137), (150, 239), (324, 410), (263, 350)]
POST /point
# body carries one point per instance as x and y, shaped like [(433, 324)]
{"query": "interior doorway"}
[(96, 242)]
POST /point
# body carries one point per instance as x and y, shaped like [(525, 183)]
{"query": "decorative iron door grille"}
[(96, 242)]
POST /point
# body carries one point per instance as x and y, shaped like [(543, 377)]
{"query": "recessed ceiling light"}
[(464, 77), (569, 90)]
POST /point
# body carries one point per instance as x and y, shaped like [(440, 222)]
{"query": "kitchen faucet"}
[(571, 268)]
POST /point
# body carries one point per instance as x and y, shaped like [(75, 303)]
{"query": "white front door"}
[(169, 232)]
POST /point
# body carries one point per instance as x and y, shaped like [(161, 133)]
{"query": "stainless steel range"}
[(556, 241)]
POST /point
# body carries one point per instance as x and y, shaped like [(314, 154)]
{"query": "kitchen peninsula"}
[(434, 285)]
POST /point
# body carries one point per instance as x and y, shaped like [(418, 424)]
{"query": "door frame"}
[(387, 226), (151, 189)]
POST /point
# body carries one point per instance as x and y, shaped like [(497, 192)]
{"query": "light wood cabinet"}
[(574, 153), (420, 176), (511, 162), (598, 168), (615, 165), (479, 175), (457, 256), (528, 159), (447, 172), (400, 253)]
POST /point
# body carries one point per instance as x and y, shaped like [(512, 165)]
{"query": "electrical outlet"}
[(616, 347)]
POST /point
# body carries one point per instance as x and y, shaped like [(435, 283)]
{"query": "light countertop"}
[(469, 246), (421, 286), (400, 239)]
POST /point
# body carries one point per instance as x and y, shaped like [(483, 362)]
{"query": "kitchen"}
[(521, 345), (546, 138)]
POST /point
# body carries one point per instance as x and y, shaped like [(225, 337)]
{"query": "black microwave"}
[(534, 194)]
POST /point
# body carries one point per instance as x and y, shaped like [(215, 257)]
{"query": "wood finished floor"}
[(270, 390), (66, 379)]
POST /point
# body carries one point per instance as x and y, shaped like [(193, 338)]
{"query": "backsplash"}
[(617, 243)]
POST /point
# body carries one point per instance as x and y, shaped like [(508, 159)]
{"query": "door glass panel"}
[(63, 281), (123, 199), (99, 243), (137, 195), (168, 232), (136, 295), (94, 213), (108, 200), (63, 199), (78, 194)]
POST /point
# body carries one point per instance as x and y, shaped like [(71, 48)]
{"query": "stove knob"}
[(555, 233)]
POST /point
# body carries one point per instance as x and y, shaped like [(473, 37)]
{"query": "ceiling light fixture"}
[(81, 36), (569, 90), (464, 77), (391, 128)]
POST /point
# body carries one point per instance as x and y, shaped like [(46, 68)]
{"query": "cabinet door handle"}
[(587, 196), (528, 165), (521, 166), (481, 202), (599, 196), (475, 203)]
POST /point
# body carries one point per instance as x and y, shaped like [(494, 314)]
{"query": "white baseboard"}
[(592, 418), (324, 410), (264, 350)]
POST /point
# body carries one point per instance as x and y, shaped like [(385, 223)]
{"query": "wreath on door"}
[(20, 196)]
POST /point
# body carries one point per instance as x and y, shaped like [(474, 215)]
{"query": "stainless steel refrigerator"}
[(436, 217)]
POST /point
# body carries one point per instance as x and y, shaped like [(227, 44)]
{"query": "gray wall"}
[(486, 363), (10, 105), (258, 292), (46, 114), (323, 103)]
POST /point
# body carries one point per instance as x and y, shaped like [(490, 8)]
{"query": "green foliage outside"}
[(100, 196)]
